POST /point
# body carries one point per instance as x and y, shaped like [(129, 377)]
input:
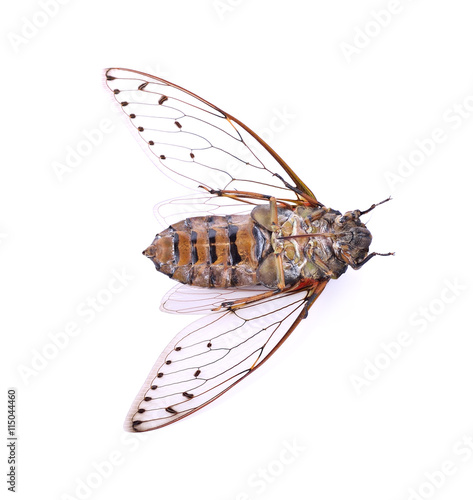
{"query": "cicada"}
[(251, 247)]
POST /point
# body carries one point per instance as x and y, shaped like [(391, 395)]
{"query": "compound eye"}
[(362, 238)]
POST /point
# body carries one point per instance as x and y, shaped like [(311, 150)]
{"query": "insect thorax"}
[(315, 243)]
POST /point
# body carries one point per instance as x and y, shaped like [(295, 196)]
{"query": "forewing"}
[(214, 353), (196, 143)]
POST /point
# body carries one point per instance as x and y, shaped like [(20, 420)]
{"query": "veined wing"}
[(198, 144), (203, 204), (186, 299), (213, 354)]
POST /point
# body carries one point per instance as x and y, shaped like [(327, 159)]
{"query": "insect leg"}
[(366, 259), (314, 294), (275, 227), (238, 303), (309, 199), (315, 288), (273, 211), (243, 196)]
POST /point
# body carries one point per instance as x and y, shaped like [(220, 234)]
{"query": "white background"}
[(348, 118)]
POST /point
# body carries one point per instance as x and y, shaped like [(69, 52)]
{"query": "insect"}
[(252, 247)]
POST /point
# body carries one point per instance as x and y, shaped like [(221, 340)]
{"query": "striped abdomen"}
[(218, 251)]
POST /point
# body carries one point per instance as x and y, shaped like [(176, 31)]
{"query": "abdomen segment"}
[(216, 251)]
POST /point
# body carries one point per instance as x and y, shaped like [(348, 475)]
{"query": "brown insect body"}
[(240, 250), (218, 251), (279, 237)]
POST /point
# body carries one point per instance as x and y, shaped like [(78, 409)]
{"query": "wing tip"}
[(128, 426)]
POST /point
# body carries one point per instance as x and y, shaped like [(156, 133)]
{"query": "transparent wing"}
[(199, 205), (197, 144), (186, 299), (214, 353)]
